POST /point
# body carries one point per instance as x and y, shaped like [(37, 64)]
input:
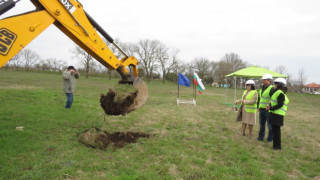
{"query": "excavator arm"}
[(69, 16)]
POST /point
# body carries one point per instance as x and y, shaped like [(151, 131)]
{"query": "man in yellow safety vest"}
[(263, 101)]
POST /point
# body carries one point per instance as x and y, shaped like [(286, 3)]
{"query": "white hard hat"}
[(267, 76), (281, 80), (250, 82)]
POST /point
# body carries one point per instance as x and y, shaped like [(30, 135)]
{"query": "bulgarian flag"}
[(198, 82)]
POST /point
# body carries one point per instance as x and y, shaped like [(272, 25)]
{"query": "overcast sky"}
[(268, 33)]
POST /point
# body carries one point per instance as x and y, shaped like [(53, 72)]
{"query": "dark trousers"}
[(69, 100), (276, 137), (263, 119)]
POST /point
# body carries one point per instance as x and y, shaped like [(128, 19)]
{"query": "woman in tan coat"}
[(248, 108)]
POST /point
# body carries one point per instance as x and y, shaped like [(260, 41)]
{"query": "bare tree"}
[(16, 61), (173, 62), (281, 69), (30, 58), (146, 51), (221, 71), (37, 66), (101, 68), (93, 66), (178, 66), (57, 65), (229, 63), (189, 69), (163, 57), (85, 58), (234, 61), (7, 66), (209, 79), (202, 65), (167, 58), (205, 69), (45, 65), (129, 48), (302, 78)]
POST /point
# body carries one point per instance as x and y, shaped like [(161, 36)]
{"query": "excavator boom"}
[(69, 16), (71, 19)]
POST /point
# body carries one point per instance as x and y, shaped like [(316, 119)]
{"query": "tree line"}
[(28, 60), (156, 61)]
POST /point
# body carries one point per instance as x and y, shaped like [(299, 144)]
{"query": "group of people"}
[(271, 102)]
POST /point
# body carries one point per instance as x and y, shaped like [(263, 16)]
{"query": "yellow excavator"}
[(69, 16)]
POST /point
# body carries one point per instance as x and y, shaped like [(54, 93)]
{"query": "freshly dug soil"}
[(96, 138), (118, 100)]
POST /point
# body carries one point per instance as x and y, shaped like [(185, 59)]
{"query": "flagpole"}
[(194, 89), (178, 86), (235, 88), (195, 92), (178, 91)]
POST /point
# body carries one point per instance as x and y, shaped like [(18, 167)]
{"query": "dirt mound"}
[(118, 100), (96, 138)]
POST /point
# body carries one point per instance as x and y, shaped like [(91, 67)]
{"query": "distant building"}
[(310, 88), (225, 85), (214, 84)]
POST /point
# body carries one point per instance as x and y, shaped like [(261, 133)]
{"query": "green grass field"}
[(188, 142)]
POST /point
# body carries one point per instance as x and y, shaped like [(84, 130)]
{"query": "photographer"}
[(69, 84)]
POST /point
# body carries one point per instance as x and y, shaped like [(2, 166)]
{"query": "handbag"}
[(239, 115)]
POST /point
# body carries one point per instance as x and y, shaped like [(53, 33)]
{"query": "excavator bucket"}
[(142, 94), (122, 99)]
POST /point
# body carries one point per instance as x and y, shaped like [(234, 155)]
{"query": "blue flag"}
[(183, 80)]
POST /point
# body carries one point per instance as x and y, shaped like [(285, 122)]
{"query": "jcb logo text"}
[(68, 5), (7, 39)]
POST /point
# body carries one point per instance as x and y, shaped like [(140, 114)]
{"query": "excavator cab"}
[(69, 16)]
